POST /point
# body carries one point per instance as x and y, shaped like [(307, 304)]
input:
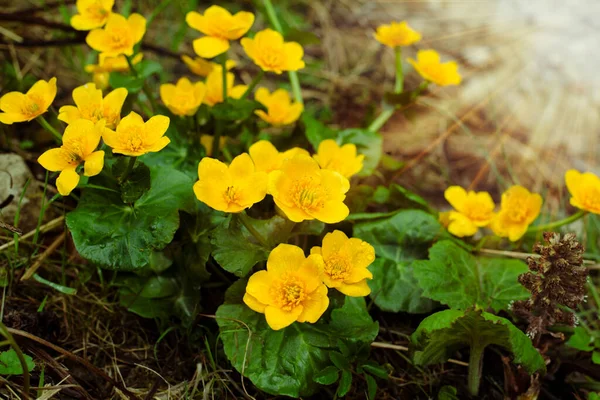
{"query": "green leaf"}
[(148, 67), (399, 240), (235, 109), (368, 143), (316, 131), (447, 393), (179, 154), (274, 230), (302, 37), (345, 383), (339, 360), (581, 340), (10, 364), (594, 396), (394, 288), (122, 237), (283, 362), (136, 184), (440, 335), (327, 376), (376, 370), (596, 357), (353, 322), (127, 81), (398, 197), (235, 249), (371, 387), (460, 280)]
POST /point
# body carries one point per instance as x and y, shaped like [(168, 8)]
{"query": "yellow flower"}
[(89, 104), (107, 64), (266, 157), (345, 263), (207, 141), (271, 53), (80, 141), (290, 289), (134, 138), (21, 107), (184, 98), (474, 210), (118, 36), (428, 65), (340, 159), (214, 87), (92, 14), (220, 27), (397, 34), (202, 67), (230, 189), (519, 208), (303, 191), (444, 218), (584, 189), (280, 109)]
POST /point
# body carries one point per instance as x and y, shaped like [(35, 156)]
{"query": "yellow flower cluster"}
[(294, 287), (474, 210), (428, 64), (22, 107), (301, 188)]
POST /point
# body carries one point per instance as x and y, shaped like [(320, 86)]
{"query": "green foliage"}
[(235, 109), (10, 364), (399, 241), (315, 131), (179, 154), (122, 236), (137, 181), (587, 341), (443, 333), (132, 83), (447, 393), (368, 143), (398, 197), (460, 280)]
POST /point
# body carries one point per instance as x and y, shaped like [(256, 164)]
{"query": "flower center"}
[(289, 293), (308, 194), (119, 38), (96, 11), (591, 198), (337, 267), (32, 108), (231, 195), (477, 211), (134, 140)]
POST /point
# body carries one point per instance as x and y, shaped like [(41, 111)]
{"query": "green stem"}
[(9, 338), (556, 224), (145, 88), (224, 66), (294, 81), (594, 292), (381, 119), (253, 84), (46, 125), (214, 153), (399, 73), (128, 170), (245, 220), (475, 365)]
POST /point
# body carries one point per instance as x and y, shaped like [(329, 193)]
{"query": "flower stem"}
[(245, 220), (399, 73), (224, 65), (253, 84), (294, 81), (145, 88), (475, 365), (46, 125), (556, 224), (381, 119), (128, 170)]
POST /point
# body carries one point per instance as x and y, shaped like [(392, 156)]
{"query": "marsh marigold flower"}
[(80, 140), (268, 50), (267, 158), (214, 87), (342, 159), (202, 67), (89, 104), (207, 142), (518, 209), (428, 65), (584, 189), (92, 14), (345, 263), (184, 98), (473, 210), (220, 27), (21, 107), (290, 289), (303, 191), (107, 64), (135, 138), (118, 36), (230, 188), (280, 109), (397, 34)]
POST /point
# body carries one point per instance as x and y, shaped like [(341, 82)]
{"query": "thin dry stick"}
[(390, 346), (51, 249), (44, 228)]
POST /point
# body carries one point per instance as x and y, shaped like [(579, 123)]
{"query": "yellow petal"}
[(67, 181), (279, 319), (516, 232), (155, 128), (160, 144), (285, 258), (254, 189), (13, 102), (137, 25), (358, 289), (311, 272), (361, 253), (241, 168), (55, 160), (212, 193), (573, 182), (87, 96), (259, 286), (460, 225), (97, 39), (243, 20), (332, 212), (113, 102), (315, 305), (263, 96), (456, 196), (254, 304), (210, 168), (293, 53), (333, 243), (94, 163), (68, 114), (209, 47), (111, 138)]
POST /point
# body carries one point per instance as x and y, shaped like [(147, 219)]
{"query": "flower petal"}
[(456, 196), (285, 258), (358, 289), (254, 304), (94, 163), (67, 181), (259, 286), (209, 47), (315, 305), (55, 160), (279, 319)]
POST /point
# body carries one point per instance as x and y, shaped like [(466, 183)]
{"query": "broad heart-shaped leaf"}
[(441, 334), (10, 364), (121, 236), (460, 280), (353, 322), (368, 143), (283, 362), (581, 340), (394, 287), (399, 240)]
